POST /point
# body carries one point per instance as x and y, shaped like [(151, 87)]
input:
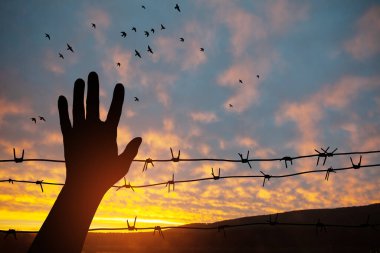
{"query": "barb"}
[(178, 159), (287, 159), (245, 160), (10, 232), (175, 159), (275, 222), (147, 162), (266, 177), (40, 183), (125, 185), (356, 166), (159, 230), (18, 159), (170, 182), (319, 226), (329, 170), (173, 182), (213, 175), (131, 228), (324, 154)]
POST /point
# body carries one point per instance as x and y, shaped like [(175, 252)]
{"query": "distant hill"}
[(258, 238)]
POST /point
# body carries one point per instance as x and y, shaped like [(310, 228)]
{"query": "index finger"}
[(116, 107)]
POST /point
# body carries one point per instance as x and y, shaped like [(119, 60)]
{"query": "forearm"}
[(66, 226)]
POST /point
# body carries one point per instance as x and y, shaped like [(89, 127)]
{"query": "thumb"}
[(130, 152)]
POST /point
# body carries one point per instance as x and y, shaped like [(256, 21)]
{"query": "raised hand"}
[(92, 167), (90, 145)]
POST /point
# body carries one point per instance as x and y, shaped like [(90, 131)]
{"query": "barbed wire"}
[(322, 154), (171, 183), (319, 226)]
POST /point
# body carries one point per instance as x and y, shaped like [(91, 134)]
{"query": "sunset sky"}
[(319, 85)]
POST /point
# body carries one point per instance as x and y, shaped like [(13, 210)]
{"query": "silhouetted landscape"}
[(261, 238)]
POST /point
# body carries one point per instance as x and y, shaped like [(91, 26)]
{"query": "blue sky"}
[(318, 86)]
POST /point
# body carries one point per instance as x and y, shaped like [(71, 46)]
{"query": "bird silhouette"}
[(134, 29), (137, 53), (182, 39), (177, 8), (240, 81), (163, 27), (150, 50), (34, 120), (146, 33), (70, 48), (137, 99), (123, 34), (152, 30), (143, 6), (61, 56), (257, 76), (93, 25), (118, 64), (202, 49), (231, 105), (47, 35), (42, 118)]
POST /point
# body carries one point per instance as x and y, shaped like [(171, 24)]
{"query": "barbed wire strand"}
[(320, 226), (320, 154), (172, 182)]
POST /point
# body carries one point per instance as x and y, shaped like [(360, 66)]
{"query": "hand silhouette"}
[(92, 167), (90, 144)]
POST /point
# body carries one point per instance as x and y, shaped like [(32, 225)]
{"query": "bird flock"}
[(137, 53)]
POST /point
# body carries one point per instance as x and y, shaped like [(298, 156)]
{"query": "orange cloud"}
[(365, 43), (8, 107), (308, 113), (204, 117)]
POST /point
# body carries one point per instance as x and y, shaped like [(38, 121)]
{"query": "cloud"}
[(126, 72), (8, 108), (308, 113), (244, 27), (186, 54), (204, 117), (245, 69), (282, 14), (51, 63), (365, 43), (102, 21)]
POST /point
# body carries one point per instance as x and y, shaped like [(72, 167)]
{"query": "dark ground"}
[(262, 238)]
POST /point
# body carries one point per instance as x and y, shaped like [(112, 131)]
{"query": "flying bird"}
[(134, 29), (70, 48), (202, 49), (47, 35), (41, 118), (118, 64), (61, 56), (93, 25), (143, 6), (240, 81), (137, 99), (182, 39), (146, 33), (150, 50), (137, 53), (152, 30), (163, 27), (34, 120), (123, 34), (257, 76), (177, 8), (231, 105)]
